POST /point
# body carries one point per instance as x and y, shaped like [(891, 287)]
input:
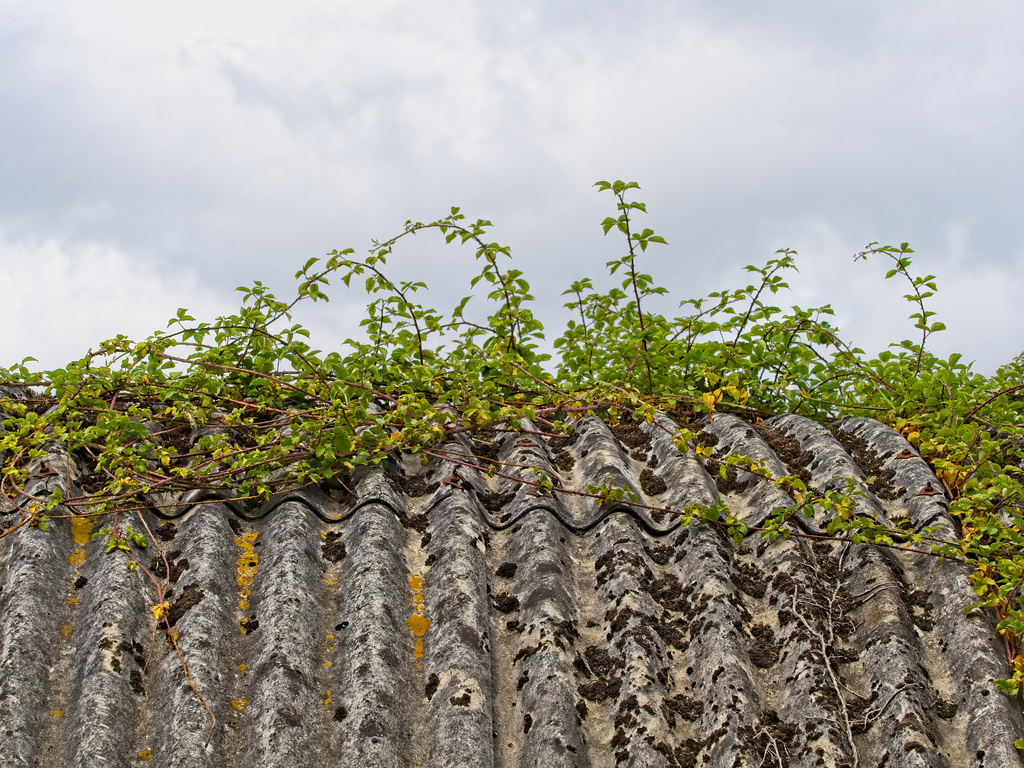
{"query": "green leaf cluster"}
[(246, 404)]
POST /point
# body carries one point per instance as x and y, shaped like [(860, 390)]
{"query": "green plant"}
[(272, 412)]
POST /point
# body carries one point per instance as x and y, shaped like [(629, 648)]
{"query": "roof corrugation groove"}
[(443, 618)]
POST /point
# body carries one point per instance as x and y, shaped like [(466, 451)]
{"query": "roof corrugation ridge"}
[(787, 627), (456, 676), (542, 630), (910, 475), (685, 477), (209, 638), (284, 689), (30, 642), (722, 677), (375, 679), (751, 501), (102, 713)]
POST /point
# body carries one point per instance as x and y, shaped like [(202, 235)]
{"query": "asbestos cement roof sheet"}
[(440, 617)]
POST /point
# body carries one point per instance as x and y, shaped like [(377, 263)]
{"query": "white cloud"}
[(62, 300)]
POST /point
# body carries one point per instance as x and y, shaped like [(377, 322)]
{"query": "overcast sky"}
[(157, 154)]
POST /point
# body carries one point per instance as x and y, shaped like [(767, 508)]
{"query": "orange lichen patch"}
[(418, 622), (146, 754), (327, 664), (72, 599), (57, 713), (330, 579), (241, 670), (77, 557), (328, 700), (240, 704), (81, 530), (66, 630)]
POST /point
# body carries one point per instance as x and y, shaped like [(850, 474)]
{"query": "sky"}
[(157, 155)]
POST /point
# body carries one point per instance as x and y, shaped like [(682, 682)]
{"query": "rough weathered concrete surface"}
[(443, 618)]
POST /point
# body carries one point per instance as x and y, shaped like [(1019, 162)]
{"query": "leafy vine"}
[(245, 404)]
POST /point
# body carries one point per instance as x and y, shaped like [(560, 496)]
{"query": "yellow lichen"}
[(418, 623), (249, 561), (77, 557), (248, 564), (57, 712), (81, 530), (146, 754), (240, 704)]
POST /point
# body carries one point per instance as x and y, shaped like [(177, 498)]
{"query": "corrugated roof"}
[(438, 617)]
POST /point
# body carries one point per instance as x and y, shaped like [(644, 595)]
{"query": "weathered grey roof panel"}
[(444, 618)]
